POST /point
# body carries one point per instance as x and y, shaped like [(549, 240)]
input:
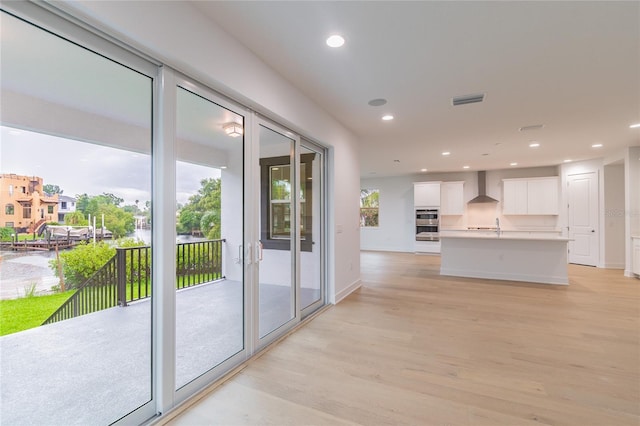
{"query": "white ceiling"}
[(572, 66)]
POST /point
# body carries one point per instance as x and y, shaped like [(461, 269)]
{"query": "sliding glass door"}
[(76, 164), (277, 230), (289, 261), (171, 232), (209, 277)]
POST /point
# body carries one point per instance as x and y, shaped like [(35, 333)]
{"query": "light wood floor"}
[(411, 347)]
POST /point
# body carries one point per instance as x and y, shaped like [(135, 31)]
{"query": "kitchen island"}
[(505, 256)]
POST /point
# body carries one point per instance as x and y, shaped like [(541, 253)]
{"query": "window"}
[(49, 209), (9, 209), (10, 190), (63, 205), (8, 224), (276, 199), (369, 205), (26, 212)]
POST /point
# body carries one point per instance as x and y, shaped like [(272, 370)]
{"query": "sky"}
[(81, 167)]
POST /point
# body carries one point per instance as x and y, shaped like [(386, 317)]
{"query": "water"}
[(21, 270)]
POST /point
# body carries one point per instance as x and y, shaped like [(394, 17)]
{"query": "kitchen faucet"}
[(498, 225)]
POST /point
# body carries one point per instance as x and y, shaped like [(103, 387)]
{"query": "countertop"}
[(493, 235)]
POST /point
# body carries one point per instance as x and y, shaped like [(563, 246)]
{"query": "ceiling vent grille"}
[(467, 99), (534, 127)]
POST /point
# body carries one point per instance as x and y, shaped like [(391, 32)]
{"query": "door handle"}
[(260, 248)]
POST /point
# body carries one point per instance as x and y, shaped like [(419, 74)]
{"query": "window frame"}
[(306, 237), (376, 208)]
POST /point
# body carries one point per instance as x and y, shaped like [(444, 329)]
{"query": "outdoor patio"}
[(93, 369)]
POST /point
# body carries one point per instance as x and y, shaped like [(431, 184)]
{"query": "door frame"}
[(596, 225)]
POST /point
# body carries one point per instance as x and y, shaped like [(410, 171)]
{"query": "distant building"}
[(24, 204), (65, 205)]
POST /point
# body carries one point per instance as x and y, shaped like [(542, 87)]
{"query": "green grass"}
[(28, 312)]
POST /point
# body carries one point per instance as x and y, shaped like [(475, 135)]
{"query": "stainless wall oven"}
[(427, 225)]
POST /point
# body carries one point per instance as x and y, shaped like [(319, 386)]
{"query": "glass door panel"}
[(209, 275), (276, 295), (86, 359), (311, 227)]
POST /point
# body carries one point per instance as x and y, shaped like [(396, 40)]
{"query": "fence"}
[(126, 277)]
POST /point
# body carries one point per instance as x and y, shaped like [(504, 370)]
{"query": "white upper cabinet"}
[(532, 196), (514, 200), (426, 194), (452, 198)]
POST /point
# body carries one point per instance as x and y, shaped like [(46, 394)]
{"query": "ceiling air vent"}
[(534, 127), (467, 99)]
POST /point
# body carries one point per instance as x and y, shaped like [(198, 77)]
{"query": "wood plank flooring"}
[(412, 347)]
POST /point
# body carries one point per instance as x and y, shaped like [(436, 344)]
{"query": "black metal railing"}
[(126, 277), (198, 262), (95, 294)]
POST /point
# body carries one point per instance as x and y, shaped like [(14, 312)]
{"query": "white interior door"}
[(583, 218)]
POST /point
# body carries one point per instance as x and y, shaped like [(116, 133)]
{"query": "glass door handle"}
[(259, 251)]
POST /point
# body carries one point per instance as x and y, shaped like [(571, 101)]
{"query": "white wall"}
[(396, 231), (614, 217), (179, 36)]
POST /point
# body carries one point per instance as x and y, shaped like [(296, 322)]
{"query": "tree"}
[(52, 189), (82, 202), (202, 212), (75, 218), (116, 219)]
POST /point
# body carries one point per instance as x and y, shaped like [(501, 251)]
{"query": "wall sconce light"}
[(233, 129)]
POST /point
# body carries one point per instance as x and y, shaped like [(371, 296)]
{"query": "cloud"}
[(81, 167)]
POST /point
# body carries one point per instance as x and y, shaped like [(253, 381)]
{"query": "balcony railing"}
[(126, 277)]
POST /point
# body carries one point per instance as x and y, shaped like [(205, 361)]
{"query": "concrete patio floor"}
[(93, 369)]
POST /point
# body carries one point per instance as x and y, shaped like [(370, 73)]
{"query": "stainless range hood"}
[(482, 190)]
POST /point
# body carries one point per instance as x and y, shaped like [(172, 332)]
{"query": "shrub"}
[(82, 262), (5, 233)]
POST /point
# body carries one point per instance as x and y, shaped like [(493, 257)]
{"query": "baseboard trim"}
[(613, 266), (348, 290)]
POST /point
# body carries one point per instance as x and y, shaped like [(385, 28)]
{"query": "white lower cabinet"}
[(427, 246)]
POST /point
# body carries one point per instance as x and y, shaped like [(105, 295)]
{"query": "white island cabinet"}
[(635, 261), (502, 256)]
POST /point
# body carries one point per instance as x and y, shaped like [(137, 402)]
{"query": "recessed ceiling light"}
[(513, 164), (567, 161), (223, 167), (534, 145), (377, 102), (387, 117), (423, 170), (596, 145), (446, 153), (465, 167), (634, 126), (335, 41)]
